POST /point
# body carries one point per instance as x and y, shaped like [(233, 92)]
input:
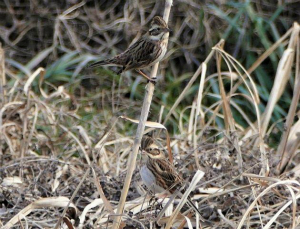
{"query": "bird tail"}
[(190, 202), (99, 63)]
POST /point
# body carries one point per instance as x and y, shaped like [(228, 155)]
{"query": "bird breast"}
[(150, 180), (163, 46)]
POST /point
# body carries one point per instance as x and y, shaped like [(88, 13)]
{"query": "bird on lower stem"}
[(158, 174)]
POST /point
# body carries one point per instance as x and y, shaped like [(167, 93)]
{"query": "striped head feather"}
[(158, 29)]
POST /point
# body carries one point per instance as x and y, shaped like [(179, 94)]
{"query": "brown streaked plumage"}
[(158, 174), (145, 52), (156, 162)]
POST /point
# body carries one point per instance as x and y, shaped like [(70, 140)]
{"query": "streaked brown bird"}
[(145, 52), (158, 174)]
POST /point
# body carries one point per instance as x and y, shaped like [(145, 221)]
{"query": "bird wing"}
[(125, 58), (169, 177), (141, 53), (122, 59)]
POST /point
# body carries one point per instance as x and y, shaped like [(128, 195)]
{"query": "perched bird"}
[(158, 174), (145, 52)]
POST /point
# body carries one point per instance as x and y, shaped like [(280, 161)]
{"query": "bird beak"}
[(143, 151), (168, 30)]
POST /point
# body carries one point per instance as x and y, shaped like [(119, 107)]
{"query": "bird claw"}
[(153, 80)]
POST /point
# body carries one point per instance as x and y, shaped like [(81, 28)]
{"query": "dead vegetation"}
[(61, 167)]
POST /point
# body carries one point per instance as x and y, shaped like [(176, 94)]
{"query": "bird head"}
[(152, 150), (159, 29)]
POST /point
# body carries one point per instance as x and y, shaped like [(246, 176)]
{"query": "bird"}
[(145, 52), (158, 174)]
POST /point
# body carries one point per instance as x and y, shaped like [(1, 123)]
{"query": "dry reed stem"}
[(228, 118), (78, 142), (250, 87), (191, 122), (59, 201), (166, 210), (2, 90), (97, 183), (197, 177), (263, 57), (186, 221), (199, 112), (255, 97), (190, 83), (107, 204), (249, 71), (71, 199), (229, 222), (141, 126), (281, 78), (250, 208), (281, 150), (293, 143), (2, 78)]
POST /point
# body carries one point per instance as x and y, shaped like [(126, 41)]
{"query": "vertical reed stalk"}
[(139, 133)]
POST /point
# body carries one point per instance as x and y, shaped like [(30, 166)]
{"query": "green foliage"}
[(248, 28)]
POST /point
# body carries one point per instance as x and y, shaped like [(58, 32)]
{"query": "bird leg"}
[(152, 80), (121, 71)]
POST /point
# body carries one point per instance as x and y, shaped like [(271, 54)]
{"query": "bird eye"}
[(158, 29)]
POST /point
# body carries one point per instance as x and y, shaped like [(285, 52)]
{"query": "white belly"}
[(149, 180), (163, 52)]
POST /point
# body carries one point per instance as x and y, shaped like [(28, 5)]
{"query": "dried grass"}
[(55, 166)]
